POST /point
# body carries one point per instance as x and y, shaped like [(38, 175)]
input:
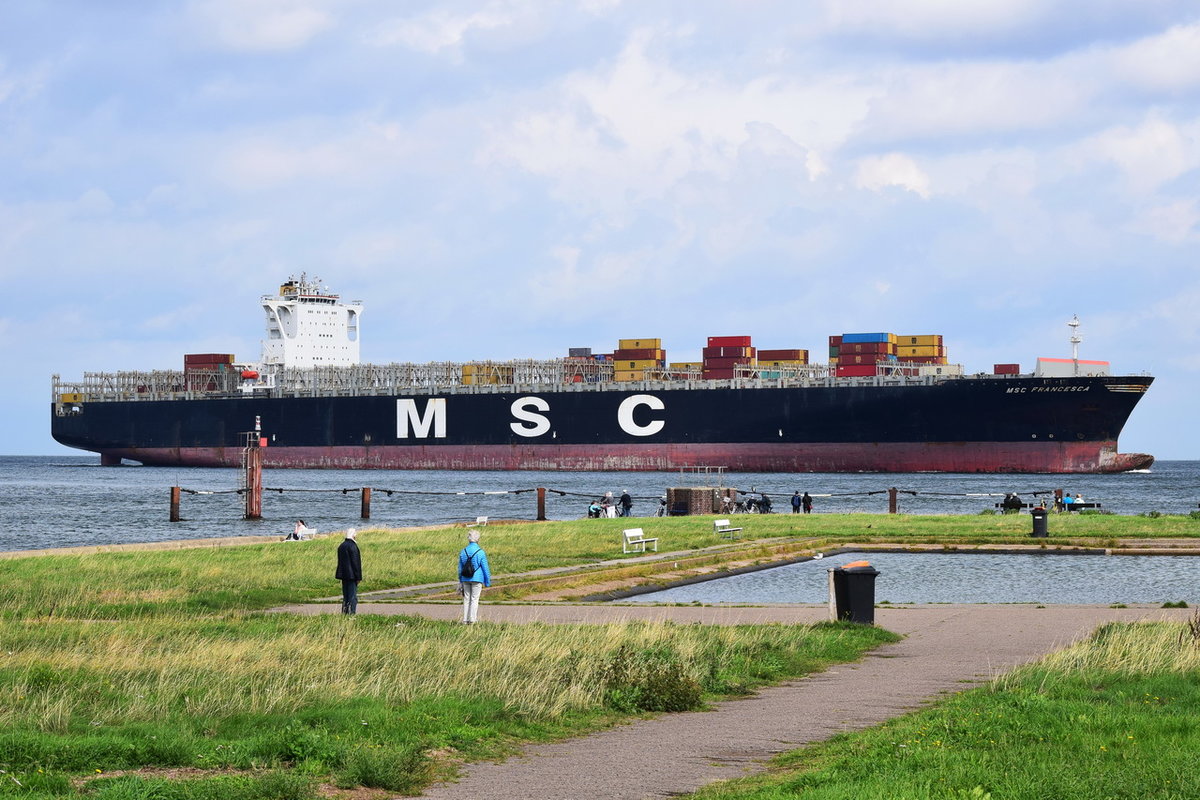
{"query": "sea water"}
[(61, 501)]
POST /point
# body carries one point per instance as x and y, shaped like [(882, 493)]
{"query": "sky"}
[(509, 179)]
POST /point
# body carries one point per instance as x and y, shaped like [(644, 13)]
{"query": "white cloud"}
[(95, 202), (930, 19), (1175, 223), (262, 25), (441, 30), (894, 169), (1149, 155), (638, 127), (1169, 61)]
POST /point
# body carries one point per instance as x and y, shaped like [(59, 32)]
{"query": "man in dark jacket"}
[(626, 504), (349, 572)]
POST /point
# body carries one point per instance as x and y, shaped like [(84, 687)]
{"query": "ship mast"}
[(1075, 340)]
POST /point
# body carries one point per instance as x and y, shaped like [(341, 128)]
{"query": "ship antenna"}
[(1075, 340)]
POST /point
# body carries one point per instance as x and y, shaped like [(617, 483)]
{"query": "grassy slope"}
[(116, 661), (1113, 717)]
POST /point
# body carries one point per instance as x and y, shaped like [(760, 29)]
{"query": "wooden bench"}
[(635, 541), (722, 529), (481, 520)]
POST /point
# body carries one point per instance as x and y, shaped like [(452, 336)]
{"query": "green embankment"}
[(161, 662), (1113, 717)]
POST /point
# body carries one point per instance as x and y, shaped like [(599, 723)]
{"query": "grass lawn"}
[(1113, 717), (155, 674), (139, 582)]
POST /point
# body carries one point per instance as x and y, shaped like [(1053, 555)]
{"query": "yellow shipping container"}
[(70, 397), (653, 364), (920, 350), (639, 344), (628, 375), (686, 365), (762, 363), (924, 340)]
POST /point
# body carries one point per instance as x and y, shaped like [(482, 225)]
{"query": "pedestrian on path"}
[(349, 571), (626, 504), (473, 575)]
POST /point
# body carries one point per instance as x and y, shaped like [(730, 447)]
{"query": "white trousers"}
[(470, 595)]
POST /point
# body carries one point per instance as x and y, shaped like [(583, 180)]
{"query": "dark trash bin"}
[(1040, 522), (854, 592)]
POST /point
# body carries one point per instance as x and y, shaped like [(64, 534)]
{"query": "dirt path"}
[(947, 648)]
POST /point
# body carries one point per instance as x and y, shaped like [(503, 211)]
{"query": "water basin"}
[(963, 578)]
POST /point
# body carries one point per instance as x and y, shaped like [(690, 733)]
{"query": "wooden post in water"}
[(892, 500), (252, 472), (366, 502), (541, 504), (174, 504)]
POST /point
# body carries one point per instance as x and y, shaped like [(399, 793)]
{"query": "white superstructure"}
[(308, 326)]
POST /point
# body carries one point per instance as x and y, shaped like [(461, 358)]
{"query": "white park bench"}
[(481, 520), (722, 529), (635, 540)]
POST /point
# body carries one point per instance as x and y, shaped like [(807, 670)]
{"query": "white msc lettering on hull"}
[(537, 424), (625, 415), (408, 419)]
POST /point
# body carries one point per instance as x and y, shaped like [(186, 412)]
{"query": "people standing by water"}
[(349, 571), (626, 504), (806, 502), (473, 575), (796, 501)]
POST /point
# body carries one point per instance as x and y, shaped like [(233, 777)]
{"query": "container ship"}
[(882, 403)]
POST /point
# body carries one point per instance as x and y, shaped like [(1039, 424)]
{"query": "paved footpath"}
[(946, 648)]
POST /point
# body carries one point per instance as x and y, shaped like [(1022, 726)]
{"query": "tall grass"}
[(367, 699), (153, 668)]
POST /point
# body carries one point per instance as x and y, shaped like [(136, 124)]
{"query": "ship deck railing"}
[(444, 378)]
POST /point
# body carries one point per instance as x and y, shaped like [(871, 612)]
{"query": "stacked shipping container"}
[(860, 354), (724, 354), (633, 357)]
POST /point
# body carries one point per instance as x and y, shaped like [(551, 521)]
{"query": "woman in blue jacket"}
[(473, 575)]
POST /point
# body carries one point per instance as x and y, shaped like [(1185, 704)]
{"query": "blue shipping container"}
[(851, 338)]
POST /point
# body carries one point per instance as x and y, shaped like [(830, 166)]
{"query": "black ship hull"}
[(1018, 424)]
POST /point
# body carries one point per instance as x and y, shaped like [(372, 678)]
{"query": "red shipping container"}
[(881, 348), (835, 341), (860, 360), (717, 374), (724, 363), (643, 354), (782, 355), (207, 358), (846, 371), (1006, 369), (729, 341), (726, 352)]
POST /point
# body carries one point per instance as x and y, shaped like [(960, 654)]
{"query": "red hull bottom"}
[(1077, 457)]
